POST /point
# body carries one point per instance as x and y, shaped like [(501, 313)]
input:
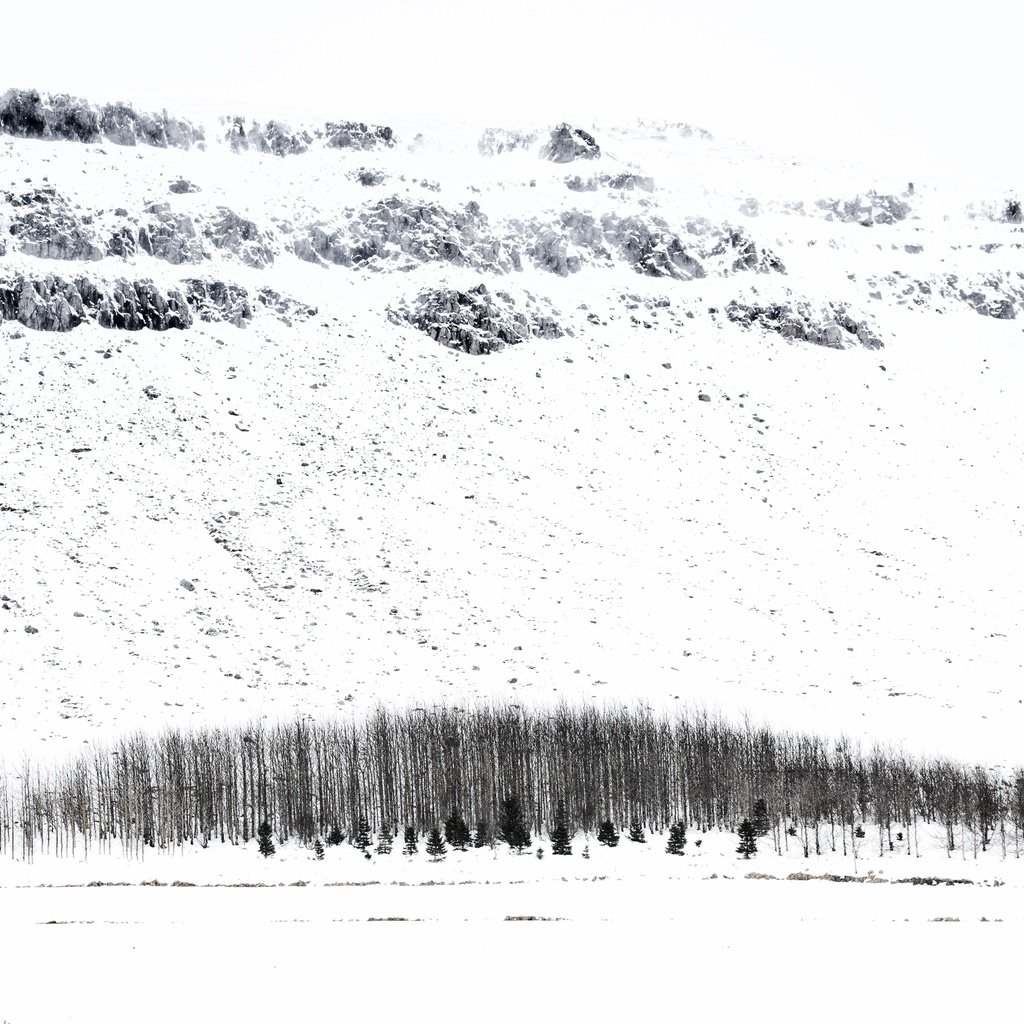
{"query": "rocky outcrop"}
[(867, 210), (567, 245), (285, 308), (503, 140), (218, 302), (356, 135), (743, 254), (44, 224), (30, 114), (626, 181), (60, 304), (475, 321), (567, 144), (679, 129), (241, 237), (274, 137), (167, 236), (321, 243), (369, 178), (400, 232), (832, 327), (651, 248)]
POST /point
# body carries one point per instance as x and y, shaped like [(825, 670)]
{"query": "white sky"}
[(873, 78)]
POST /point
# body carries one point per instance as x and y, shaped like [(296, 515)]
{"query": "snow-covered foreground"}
[(721, 949)]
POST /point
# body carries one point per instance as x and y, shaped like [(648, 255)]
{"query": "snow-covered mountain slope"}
[(747, 433)]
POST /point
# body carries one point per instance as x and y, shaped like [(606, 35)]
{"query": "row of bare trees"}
[(414, 767)]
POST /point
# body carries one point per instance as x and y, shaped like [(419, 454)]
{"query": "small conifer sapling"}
[(748, 839), (677, 839), (636, 832), (606, 834), (561, 839), (412, 843), (436, 846), (266, 845)]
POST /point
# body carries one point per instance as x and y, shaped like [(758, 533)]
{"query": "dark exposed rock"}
[(1012, 212), (356, 135), (476, 321), (242, 237), (45, 225), (182, 187), (30, 114), (503, 140), (567, 144), (218, 302), (833, 328), (59, 304)]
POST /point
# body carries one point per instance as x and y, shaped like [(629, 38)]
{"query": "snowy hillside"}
[(313, 417)]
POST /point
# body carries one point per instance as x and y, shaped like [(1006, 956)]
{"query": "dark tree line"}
[(514, 773)]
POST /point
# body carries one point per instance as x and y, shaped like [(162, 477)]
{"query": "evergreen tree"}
[(748, 839), (561, 839), (335, 837), (456, 831), (435, 844), (677, 839), (636, 832), (362, 840), (318, 848), (266, 846), (483, 834), (606, 834), (412, 843), (761, 821), (512, 824), (385, 840)]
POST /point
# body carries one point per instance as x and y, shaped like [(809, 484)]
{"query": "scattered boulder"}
[(567, 144), (475, 321), (182, 187)]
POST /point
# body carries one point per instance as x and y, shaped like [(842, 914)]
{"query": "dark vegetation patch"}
[(513, 774)]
